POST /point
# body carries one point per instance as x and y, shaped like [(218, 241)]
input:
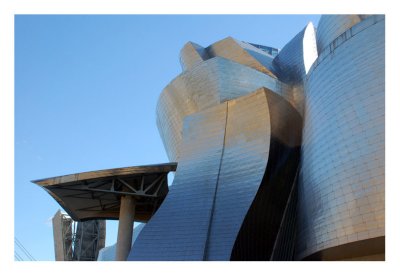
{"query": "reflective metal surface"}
[(224, 71), (296, 58), (225, 153), (242, 168), (178, 231), (342, 187), (260, 227), (235, 120), (213, 81), (332, 26)]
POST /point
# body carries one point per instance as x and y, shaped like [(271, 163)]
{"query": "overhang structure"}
[(125, 194), (97, 194)]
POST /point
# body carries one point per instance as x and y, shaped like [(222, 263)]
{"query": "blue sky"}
[(86, 88)]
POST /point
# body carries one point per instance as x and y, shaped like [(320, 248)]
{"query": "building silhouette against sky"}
[(77, 241), (280, 155)]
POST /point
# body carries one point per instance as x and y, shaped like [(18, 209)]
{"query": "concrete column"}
[(125, 228)]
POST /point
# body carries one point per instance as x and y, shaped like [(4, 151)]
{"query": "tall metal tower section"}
[(77, 241)]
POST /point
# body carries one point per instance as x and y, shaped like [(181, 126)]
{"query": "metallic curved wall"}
[(242, 169), (178, 230), (185, 217), (341, 191), (209, 83), (295, 59), (331, 26), (236, 173), (224, 157), (228, 69), (257, 238)]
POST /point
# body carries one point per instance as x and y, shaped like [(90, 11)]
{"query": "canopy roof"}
[(97, 194)]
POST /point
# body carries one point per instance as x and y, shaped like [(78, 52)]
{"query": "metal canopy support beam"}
[(125, 227), (109, 187)]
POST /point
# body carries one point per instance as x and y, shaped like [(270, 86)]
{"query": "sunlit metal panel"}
[(342, 187), (210, 83)]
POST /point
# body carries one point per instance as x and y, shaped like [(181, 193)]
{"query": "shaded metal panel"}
[(330, 26), (210, 83), (270, 50), (365, 250), (264, 58), (191, 55), (243, 53), (342, 182), (243, 165), (223, 162), (286, 238), (178, 230), (259, 230), (295, 59)]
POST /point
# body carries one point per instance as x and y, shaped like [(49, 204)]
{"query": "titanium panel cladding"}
[(178, 230), (249, 197), (191, 55), (213, 81), (243, 53), (246, 150), (252, 183), (224, 158), (333, 25), (342, 187), (296, 58)]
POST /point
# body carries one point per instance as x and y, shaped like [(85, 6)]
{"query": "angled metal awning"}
[(97, 194)]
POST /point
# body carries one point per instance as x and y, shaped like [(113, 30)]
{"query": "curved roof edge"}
[(296, 57), (330, 26), (154, 168), (343, 37)]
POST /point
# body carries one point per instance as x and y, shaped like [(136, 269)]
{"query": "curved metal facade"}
[(178, 231), (332, 26), (258, 235), (341, 195), (278, 158), (293, 62), (296, 58), (224, 162), (211, 82)]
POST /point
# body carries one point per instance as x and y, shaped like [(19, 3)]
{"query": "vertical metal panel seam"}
[(205, 255)]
